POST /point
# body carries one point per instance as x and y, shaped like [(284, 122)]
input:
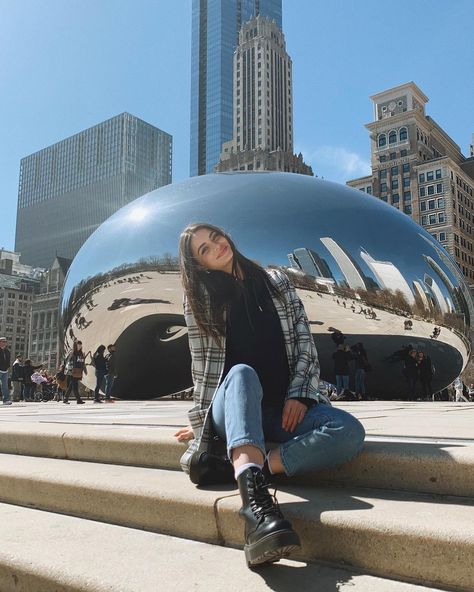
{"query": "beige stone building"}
[(418, 169), (262, 103), (16, 297), (45, 343)]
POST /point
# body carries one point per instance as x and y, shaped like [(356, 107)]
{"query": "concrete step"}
[(429, 466), (46, 552), (401, 535)]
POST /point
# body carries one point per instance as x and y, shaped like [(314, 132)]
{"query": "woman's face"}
[(212, 250), (79, 345)]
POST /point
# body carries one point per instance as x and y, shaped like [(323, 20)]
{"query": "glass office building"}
[(67, 190), (215, 29)]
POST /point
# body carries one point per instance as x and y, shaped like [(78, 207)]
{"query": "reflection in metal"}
[(361, 268)]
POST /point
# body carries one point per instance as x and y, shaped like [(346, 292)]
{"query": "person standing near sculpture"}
[(18, 378), (4, 366), (111, 372), (256, 372), (100, 364), (75, 367)]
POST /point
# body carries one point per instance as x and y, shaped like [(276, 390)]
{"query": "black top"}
[(341, 362), (100, 362), (4, 359), (254, 337), (17, 371)]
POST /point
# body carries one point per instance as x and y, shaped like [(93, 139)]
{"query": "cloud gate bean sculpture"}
[(365, 272)]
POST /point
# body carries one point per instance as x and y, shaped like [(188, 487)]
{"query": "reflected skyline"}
[(124, 284)]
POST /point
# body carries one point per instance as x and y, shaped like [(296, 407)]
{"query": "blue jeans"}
[(109, 383), (4, 385), (326, 437), (99, 378), (360, 381), (342, 383)]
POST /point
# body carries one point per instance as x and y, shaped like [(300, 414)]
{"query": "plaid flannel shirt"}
[(208, 360)]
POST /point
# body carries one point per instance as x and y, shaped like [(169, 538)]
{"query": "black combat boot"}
[(268, 536)]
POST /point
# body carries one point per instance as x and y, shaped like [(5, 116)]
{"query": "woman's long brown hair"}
[(209, 292)]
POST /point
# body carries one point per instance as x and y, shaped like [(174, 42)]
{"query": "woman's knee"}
[(246, 375)]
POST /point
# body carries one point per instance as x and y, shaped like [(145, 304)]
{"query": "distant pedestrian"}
[(111, 372), (4, 367), (426, 371), (75, 368), (411, 373), (29, 386), (100, 364), (341, 358), (361, 367), (17, 378)]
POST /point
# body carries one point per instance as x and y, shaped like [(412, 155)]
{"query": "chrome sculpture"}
[(364, 271)]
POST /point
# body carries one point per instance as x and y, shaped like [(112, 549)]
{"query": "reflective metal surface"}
[(361, 267)]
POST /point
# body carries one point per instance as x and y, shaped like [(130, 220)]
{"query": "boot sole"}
[(272, 548)]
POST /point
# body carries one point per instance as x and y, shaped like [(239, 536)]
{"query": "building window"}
[(383, 187), (422, 206), (406, 195), (431, 190), (441, 217), (431, 204), (406, 182), (422, 192), (442, 236), (403, 152), (394, 183), (441, 202), (384, 198), (432, 218), (403, 134), (407, 209), (406, 167), (438, 173), (382, 140), (421, 177), (395, 198), (439, 187), (383, 158), (424, 220), (369, 190), (383, 174), (393, 155), (394, 171), (392, 137), (429, 176)]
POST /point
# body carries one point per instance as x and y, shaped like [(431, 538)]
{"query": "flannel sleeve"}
[(304, 380)]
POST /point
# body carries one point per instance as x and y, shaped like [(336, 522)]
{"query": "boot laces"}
[(264, 503)]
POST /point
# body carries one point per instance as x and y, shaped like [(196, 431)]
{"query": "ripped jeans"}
[(326, 437)]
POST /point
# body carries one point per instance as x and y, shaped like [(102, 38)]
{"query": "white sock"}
[(244, 467), (267, 460)]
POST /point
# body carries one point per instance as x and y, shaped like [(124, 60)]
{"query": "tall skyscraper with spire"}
[(215, 32), (263, 103)]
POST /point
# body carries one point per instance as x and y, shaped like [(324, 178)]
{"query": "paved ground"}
[(382, 419)]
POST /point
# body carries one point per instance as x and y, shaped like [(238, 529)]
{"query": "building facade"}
[(16, 298), (67, 190), (420, 170), (45, 340), (215, 30), (11, 265), (263, 104)]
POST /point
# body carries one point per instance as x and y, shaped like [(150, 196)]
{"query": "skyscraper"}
[(68, 189), (215, 30), (263, 103)]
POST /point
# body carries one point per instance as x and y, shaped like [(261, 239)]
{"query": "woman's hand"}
[(293, 414), (184, 434)]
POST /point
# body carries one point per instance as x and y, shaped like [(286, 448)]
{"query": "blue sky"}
[(66, 65)]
